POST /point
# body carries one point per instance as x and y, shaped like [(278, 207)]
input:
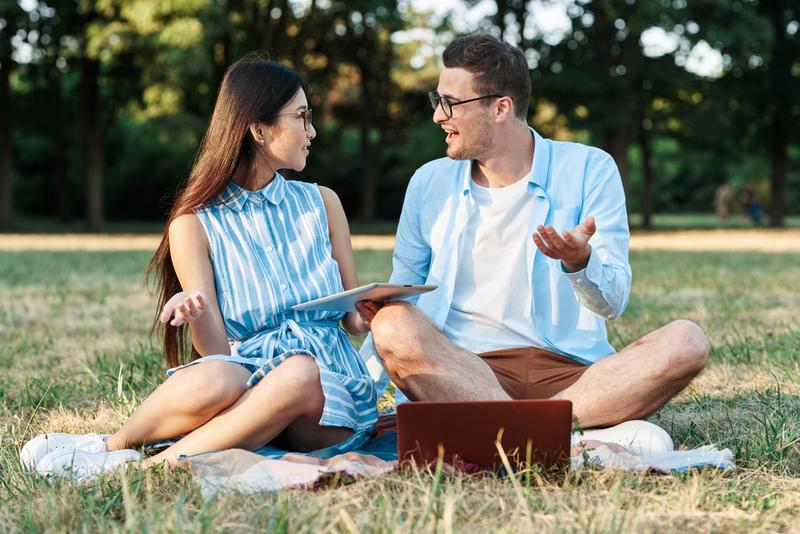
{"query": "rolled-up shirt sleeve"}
[(604, 285)]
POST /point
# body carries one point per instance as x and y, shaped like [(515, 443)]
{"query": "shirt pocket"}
[(564, 218)]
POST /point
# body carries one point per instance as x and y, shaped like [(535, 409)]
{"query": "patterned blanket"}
[(272, 469)]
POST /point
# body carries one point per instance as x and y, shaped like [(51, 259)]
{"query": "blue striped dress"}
[(270, 249)]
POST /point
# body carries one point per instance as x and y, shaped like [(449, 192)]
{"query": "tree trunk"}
[(371, 156), (520, 12), (615, 135), (781, 80), (64, 199), (500, 17), (6, 140), (299, 48), (277, 32), (780, 168), (370, 153), (648, 177), (222, 61), (61, 139), (91, 126), (615, 142)]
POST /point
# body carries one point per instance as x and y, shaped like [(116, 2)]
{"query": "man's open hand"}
[(571, 247)]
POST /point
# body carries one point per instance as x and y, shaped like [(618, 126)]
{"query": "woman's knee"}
[(299, 380), (300, 370), (211, 385)]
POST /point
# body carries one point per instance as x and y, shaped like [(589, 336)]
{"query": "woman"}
[(242, 246)]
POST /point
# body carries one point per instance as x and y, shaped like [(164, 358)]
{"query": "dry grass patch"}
[(722, 240)]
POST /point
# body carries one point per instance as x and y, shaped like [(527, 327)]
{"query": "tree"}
[(760, 85), (140, 53), (11, 19), (599, 77), (360, 36), (784, 90)]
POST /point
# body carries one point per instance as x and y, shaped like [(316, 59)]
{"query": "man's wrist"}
[(578, 265)]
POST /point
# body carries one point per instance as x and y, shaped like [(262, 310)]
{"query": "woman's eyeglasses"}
[(303, 114), (448, 105)]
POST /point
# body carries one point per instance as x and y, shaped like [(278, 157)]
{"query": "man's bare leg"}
[(641, 378), (631, 384), (426, 365)]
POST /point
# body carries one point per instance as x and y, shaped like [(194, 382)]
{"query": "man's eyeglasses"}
[(448, 105), (304, 114)]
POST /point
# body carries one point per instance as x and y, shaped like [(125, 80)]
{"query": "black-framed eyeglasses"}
[(448, 105), (304, 114)]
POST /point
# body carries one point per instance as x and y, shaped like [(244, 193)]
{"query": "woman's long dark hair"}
[(253, 89)]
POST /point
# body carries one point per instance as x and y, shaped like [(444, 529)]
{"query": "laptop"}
[(468, 431)]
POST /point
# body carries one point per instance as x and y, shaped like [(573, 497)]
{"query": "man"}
[(527, 240)]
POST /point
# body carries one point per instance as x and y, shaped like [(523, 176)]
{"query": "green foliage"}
[(149, 159), (160, 65)]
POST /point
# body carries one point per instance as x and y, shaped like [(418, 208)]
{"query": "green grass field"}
[(76, 357)]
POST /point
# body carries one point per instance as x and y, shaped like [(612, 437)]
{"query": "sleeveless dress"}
[(270, 249)]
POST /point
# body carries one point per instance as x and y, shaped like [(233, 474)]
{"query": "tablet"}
[(346, 300)]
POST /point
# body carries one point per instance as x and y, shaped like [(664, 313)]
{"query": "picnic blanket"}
[(272, 469)]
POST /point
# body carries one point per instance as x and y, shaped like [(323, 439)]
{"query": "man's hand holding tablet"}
[(367, 310)]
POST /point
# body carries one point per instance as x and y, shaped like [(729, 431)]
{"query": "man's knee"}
[(399, 331), (686, 349), (395, 330)]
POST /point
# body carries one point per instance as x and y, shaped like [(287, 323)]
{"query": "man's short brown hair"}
[(499, 68)]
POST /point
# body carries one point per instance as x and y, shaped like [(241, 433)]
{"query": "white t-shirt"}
[(492, 294)]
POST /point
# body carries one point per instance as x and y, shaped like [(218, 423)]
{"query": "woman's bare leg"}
[(185, 401), (289, 397)]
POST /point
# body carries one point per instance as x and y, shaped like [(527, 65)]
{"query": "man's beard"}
[(481, 143)]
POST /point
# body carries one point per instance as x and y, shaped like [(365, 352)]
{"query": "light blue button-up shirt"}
[(567, 311)]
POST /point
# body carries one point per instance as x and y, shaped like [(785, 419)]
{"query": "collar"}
[(539, 166), (237, 197)]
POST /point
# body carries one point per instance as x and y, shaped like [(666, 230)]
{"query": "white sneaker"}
[(638, 437), (81, 465), (40, 446)]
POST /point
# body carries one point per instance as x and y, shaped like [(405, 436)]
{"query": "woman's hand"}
[(183, 307)]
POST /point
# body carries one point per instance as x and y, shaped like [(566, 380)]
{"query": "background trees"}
[(103, 102)]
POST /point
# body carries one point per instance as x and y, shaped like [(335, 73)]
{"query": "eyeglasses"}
[(448, 105), (304, 114)]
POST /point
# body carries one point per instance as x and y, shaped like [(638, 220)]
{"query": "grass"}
[(675, 221), (76, 357)]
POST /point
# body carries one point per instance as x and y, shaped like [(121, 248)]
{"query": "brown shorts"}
[(533, 373)]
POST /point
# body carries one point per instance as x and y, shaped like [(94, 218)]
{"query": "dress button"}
[(284, 286), (269, 249)]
